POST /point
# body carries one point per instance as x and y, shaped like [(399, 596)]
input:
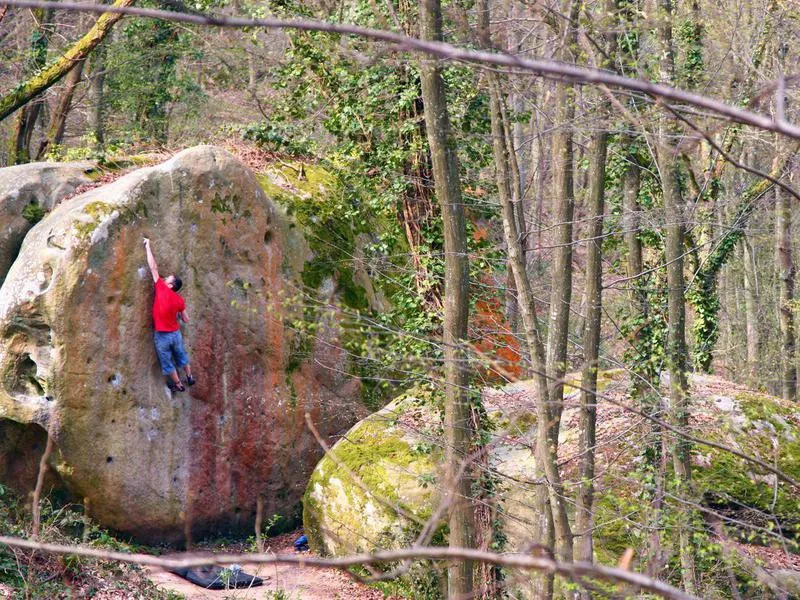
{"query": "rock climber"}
[(168, 307)]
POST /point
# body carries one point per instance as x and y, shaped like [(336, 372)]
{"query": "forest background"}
[(558, 193)]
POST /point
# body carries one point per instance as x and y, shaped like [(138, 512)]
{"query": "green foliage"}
[(645, 326), (704, 300), (690, 40), (642, 322), (703, 296), (144, 79), (86, 150), (285, 138), (33, 212), (366, 120), (37, 575)]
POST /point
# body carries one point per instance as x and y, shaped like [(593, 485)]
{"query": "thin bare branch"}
[(546, 68), (37, 492), (727, 157), (571, 570)]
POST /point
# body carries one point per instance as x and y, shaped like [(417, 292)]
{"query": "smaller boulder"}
[(27, 193), (385, 474), (377, 486)]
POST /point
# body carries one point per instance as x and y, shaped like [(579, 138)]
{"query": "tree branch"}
[(546, 68), (27, 90), (571, 570)]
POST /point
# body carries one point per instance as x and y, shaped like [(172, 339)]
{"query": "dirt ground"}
[(297, 583)]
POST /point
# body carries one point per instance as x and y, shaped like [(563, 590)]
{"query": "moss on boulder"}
[(376, 486), (380, 451)]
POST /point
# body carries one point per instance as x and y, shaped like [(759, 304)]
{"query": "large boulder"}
[(388, 468), (29, 191), (77, 357)]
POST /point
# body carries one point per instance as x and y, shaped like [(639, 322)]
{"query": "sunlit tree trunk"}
[(562, 211), (750, 293), (591, 345), (676, 351), (595, 209), (786, 276), (96, 113), (457, 424), (549, 511), (514, 228)]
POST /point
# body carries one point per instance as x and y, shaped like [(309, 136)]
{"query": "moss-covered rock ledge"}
[(393, 459)]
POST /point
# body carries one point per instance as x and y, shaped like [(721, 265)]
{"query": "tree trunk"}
[(457, 424), (28, 90), (786, 273), (563, 198), (513, 227), (676, 351), (591, 345), (750, 310), (630, 220), (55, 131), (597, 151), (22, 133), (704, 298), (561, 291), (25, 124), (551, 501), (96, 114)]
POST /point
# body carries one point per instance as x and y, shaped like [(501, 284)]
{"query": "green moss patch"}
[(96, 211), (313, 198), (375, 456), (372, 476), (33, 212), (770, 431)]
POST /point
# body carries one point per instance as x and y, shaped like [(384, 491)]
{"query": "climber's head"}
[(174, 283)]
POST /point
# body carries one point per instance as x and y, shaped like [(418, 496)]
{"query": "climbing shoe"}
[(175, 387), (190, 380)]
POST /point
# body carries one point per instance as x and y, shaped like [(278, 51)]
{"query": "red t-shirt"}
[(166, 306)]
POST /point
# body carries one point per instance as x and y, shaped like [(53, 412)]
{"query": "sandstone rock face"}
[(392, 459), (28, 191), (77, 357)]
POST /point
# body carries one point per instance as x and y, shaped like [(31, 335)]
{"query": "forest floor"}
[(281, 582)]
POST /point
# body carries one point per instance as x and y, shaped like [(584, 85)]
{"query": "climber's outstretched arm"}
[(151, 261)]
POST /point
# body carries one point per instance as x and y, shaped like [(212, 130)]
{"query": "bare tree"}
[(25, 123), (58, 118), (676, 351), (457, 420), (49, 75)]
